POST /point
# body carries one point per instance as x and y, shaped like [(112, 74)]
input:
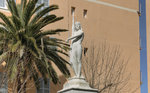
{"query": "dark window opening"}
[(85, 13)]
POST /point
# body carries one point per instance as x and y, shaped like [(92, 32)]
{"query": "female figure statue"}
[(76, 48)]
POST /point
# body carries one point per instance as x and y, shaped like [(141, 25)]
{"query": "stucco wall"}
[(112, 24)]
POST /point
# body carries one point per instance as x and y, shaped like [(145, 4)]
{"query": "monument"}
[(77, 83)]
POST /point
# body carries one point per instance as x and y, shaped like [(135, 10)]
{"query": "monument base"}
[(77, 85)]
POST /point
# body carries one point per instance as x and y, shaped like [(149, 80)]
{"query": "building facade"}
[(114, 21)]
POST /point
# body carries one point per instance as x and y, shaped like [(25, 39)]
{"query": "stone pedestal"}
[(77, 85)]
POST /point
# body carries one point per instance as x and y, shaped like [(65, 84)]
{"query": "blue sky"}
[(143, 52)]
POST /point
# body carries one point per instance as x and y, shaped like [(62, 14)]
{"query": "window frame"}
[(5, 5), (42, 1), (43, 86)]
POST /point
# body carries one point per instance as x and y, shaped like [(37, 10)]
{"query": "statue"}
[(77, 84), (76, 48)]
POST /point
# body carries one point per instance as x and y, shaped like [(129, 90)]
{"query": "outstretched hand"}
[(67, 41)]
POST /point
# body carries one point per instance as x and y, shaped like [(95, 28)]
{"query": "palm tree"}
[(26, 47)]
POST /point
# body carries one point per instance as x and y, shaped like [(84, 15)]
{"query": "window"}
[(72, 11), (85, 13), (46, 3), (44, 88), (85, 50), (3, 4), (3, 83)]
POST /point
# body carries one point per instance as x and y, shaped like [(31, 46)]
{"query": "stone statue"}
[(77, 84), (76, 48)]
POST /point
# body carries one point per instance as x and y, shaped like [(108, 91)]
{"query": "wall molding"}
[(112, 5)]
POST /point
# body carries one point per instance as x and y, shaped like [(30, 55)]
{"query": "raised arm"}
[(73, 23), (77, 34)]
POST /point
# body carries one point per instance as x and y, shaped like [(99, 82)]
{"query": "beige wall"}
[(115, 25), (112, 24), (148, 40), (132, 4)]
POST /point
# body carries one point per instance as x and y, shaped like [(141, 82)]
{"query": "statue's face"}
[(77, 26)]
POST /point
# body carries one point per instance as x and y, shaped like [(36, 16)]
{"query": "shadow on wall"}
[(54, 88)]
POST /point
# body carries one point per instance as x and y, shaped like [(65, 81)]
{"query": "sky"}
[(143, 52)]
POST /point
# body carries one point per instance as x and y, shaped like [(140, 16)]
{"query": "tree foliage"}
[(26, 47)]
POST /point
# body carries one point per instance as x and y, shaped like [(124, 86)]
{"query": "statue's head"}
[(77, 26)]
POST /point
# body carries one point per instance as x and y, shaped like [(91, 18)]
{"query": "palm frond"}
[(40, 14), (53, 43), (28, 11), (31, 44), (15, 46), (23, 4), (56, 19), (38, 25), (3, 30), (7, 21), (12, 7), (49, 32), (2, 24), (17, 22), (52, 21), (37, 9), (59, 62), (53, 75)]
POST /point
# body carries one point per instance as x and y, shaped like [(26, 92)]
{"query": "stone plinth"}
[(77, 85)]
